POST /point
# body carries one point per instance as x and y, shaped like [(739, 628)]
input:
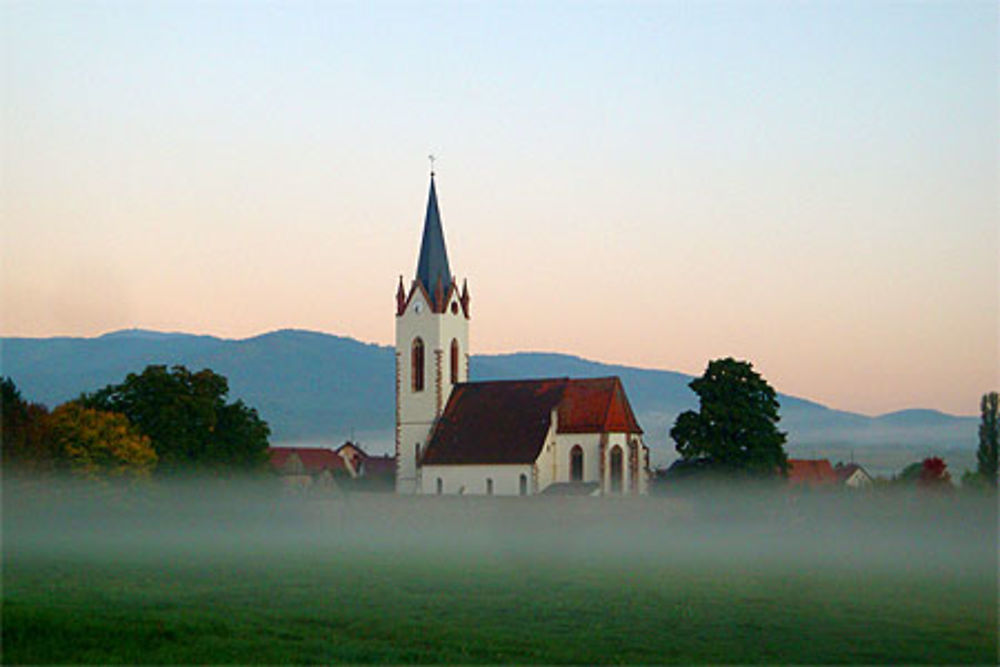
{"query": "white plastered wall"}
[(472, 479)]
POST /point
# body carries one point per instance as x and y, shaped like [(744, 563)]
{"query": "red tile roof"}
[(313, 459), (811, 471), (506, 421)]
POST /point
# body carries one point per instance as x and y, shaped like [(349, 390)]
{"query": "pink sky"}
[(812, 189)]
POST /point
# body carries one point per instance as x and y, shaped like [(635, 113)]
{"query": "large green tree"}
[(187, 419), (736, 427), (989, 434)]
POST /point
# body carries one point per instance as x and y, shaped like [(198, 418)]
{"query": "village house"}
[(523, 437), (853, 476), (320, 467)]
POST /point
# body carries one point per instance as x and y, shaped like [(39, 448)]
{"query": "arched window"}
[(489, 486), (440, 486), (617, 469), (523, 485), (576, 464), (417, 359), (454, 360)]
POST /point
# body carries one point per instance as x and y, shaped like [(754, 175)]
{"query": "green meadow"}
[(452, 580)]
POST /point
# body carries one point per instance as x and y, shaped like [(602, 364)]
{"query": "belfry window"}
[(454, 360), (417, 370)]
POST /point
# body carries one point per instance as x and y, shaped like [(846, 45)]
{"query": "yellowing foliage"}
[(96, 444)]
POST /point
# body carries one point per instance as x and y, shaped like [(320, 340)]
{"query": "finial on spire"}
[(432, 158)]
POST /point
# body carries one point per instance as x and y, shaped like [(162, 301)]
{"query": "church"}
[(557, 436)]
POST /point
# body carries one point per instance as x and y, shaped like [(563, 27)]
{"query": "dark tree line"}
[(24, 441), (164, 420)]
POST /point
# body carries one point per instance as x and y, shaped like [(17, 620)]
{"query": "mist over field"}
[(955, 534), (202, 571)]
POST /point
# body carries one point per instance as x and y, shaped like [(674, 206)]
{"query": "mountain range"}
[(315, 388)]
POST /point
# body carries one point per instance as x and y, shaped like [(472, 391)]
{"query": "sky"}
[(811, 186)]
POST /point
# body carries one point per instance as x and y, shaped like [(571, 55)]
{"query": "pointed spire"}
[(432, 265)]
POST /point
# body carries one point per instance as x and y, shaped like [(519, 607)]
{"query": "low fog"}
[(952, 535)]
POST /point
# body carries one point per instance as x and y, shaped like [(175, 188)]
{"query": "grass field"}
[(385, 580)]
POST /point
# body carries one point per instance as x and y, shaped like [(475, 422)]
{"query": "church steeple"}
[(432, 349), (432, 264)]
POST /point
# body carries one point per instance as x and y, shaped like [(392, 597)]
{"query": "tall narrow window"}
[(454, 360), (523, 485), (616, 469), (489, 486), (416, 453), (576, 464), (417, 370), (440, 486)]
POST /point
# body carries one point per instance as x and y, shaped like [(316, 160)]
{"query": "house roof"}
[(845, 470), (432, 263), (313, 459), (505, 422), (810, 471)]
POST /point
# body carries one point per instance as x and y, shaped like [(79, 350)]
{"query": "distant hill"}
[(320, 389)]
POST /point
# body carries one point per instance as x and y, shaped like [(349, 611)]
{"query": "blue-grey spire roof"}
[(433, 261)]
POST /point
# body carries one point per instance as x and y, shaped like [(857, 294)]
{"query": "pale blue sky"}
[(811, 186)]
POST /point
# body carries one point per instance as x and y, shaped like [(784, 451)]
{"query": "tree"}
[(97, 445), (23, 438), (736, 427), (934, 474), (910, 474), (989, 434), (187, 419)]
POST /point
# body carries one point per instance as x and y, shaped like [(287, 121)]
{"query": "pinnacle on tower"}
[(432, 264)]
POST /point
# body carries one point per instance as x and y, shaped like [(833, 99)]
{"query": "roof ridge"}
[(513, 380)]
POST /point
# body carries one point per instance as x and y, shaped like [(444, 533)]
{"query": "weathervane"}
[(431, 158)]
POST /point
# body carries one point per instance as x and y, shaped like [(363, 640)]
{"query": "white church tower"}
[(432, 347)]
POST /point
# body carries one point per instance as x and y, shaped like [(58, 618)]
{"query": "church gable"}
[(596, 405)]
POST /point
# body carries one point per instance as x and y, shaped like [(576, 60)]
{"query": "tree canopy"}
[(934, 473), (97, 445), (736, 427), (187, 419), (989, 434), (23, 434)]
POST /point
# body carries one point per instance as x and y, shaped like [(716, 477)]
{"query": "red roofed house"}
[(305, 466), (811, 472), (518, 437)]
